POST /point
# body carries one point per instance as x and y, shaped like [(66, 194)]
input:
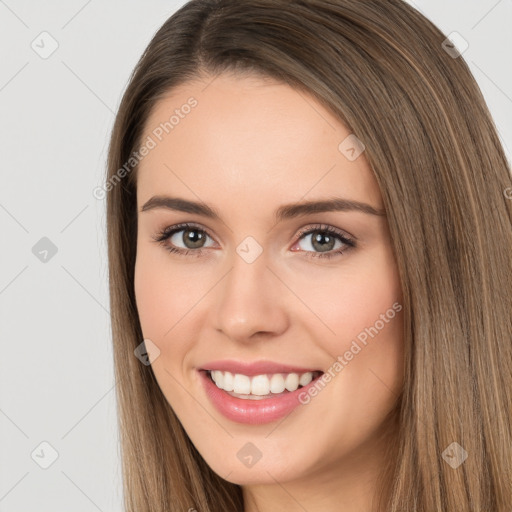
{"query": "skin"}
[(249, 146)]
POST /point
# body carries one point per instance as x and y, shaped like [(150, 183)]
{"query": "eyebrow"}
[(284, 212)]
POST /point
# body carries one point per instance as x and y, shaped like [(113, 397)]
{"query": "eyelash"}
[(168, 232)]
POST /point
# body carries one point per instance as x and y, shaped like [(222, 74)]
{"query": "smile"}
[(260, 386), (256, 399)]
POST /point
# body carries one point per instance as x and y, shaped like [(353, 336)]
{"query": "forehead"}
[(249, 140)]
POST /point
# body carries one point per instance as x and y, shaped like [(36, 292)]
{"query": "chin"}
[(259, 473)]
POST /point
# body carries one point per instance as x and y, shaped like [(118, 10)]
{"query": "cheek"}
[(163, 300), (362, 311), (163, 293), (154, 301), (354, 299)]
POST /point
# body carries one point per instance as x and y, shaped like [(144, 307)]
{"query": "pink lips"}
[(253, 412)]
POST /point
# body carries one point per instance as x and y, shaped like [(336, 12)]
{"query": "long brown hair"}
[(383, 70)]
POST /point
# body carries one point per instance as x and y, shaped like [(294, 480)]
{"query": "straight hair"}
[(382, 69)]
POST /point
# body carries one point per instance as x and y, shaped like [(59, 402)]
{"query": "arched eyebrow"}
[(284, 212)]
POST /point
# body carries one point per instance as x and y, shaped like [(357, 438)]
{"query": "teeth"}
[(277, 383), (228, 383), (260, 385), (218, 378), (242, 384), (292, 382), (305, 379)]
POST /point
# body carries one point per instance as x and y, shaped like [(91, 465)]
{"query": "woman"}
[(310, 230)]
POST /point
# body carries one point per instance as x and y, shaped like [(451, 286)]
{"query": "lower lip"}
[(252, 412)]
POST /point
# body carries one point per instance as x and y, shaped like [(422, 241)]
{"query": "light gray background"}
[(57, 383)]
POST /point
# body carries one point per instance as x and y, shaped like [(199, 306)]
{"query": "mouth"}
[(257, 399)]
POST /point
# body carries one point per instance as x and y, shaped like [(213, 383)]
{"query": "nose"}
[(251, 302)]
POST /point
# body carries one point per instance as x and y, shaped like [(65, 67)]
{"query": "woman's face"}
[(262, 291)]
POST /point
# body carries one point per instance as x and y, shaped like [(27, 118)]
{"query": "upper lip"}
[(254, 368)]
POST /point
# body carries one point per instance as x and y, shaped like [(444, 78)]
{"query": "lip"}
[(252, 412), (254, 368)]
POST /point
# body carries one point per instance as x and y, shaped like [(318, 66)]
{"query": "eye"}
[(185, 239), (323, 238), (190, 235)]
